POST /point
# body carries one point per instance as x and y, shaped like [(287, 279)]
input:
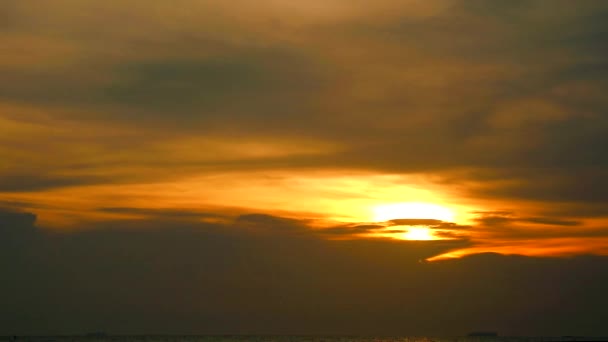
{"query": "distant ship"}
[(483, 334)]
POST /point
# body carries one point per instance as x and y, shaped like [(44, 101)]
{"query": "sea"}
[(296, 338)]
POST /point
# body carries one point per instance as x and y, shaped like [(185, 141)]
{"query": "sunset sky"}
[(320, 166)]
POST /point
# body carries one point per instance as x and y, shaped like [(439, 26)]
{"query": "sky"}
[(421, 167)]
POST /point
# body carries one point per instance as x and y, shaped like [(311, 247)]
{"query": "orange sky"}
[(318, 111), (375, 167)]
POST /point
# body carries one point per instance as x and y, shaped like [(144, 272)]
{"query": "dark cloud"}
[(502, 226), (430, 223), (578, 210), (16, 222), (415, 222), (205, 93), (187, 278), (173, 214), (15, 205), (221, 84), (498, 218), (582, 185), (452, 234), (353, 229), (24, 182), (551, 221), (266, 220), (18, 239)]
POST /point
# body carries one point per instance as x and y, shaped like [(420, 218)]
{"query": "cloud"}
[(356, 230), (16, 222), (351, 230), (272, 225), (185, 277), (501, 218), (441, 226), (497, 105), (174, 214), (415, 222), (36, 182), (203, 156), (18, 234), (507, 233)]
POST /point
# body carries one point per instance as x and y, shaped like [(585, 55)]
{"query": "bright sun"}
[(418, 233), (412, 210)]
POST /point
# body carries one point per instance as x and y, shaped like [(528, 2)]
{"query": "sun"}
[(419, 233), (412, 210)]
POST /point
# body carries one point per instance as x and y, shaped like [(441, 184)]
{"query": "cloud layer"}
[(178, 151), (185, 277)]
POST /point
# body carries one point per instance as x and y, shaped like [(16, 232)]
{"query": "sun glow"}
[(419, 233), (412, 210)]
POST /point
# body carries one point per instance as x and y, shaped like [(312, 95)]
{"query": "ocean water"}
[(257, 338)]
